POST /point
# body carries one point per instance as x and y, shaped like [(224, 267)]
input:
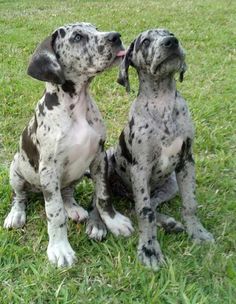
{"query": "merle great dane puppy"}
[(66, 136), (154, 158)]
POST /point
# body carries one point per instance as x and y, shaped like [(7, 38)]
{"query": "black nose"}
[(170, 42), (114, 37)]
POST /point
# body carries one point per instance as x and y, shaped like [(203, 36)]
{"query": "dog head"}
[(156, 52), (74, 50)]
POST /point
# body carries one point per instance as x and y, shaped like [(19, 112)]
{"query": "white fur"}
[(15, 219), (61, 253), (118, 225)]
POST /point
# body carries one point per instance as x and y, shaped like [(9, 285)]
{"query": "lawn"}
[(109, 272)]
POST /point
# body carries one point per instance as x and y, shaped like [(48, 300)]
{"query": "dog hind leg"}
[(73, 210), (163, 194), (17, 216), (117, 223)]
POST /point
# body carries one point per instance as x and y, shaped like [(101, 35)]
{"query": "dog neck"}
[(157, 89), (157, 94), (72, 97)]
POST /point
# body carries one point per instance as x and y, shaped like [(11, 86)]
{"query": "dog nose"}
[(114, 37), (170, 42)]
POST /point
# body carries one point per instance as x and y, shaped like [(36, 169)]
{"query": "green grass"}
[(109, 272)]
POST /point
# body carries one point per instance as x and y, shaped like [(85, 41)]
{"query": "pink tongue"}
[(121, 53)]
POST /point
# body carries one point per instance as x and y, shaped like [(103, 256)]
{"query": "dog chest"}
[(79, 148), (169, 155)]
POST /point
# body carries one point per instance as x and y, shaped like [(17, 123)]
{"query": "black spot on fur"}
[(41, 109), (131, 123), (34, 125), (101, 144), (113, 160), (149, 252), (47, 195), (30, 149), (166, 129), (124, 150), (100, 49), (72, 106), (62, 225), (185, 155), (109, 56), (149, 213), (62, 33), (51, 100), (122, 169), (69, 87), (138, 43), (107, 206)]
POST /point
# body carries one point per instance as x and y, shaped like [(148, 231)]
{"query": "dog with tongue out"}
[(65, 137)]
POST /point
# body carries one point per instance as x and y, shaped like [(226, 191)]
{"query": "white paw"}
[(76, 213), (119, 224), (15, 219), (95, 232), (61, 254)]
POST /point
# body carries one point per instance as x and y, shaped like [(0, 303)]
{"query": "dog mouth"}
[(168, 58), (118, 56), (121, 53), (116, 59)]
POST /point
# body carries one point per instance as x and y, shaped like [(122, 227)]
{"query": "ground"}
[(109, 272)]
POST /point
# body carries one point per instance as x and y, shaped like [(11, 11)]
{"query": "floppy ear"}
[(123, 78), (182, 71), (44, 64)]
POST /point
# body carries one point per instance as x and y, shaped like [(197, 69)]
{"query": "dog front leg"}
[(185, 173), (117, 223), (59, 250), (149, 251)]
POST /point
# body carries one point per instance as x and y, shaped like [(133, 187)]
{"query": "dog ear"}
[(182, 71), (123, 78), (44, 64)]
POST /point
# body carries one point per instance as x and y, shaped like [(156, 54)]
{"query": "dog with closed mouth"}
[(153, 159), (66, 136)]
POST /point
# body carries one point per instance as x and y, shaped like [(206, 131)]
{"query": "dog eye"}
[(146, 42), (77, 38)]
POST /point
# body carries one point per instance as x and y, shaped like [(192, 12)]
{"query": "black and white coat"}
[(66, 136), (153, 159)]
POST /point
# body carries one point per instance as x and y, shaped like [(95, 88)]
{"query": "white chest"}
[(80, 146)]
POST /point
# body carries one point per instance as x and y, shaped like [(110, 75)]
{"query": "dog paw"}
[(172, 226), (119, 224), (76, 213), (150, 255), (96, 232), (61, 254), (199, 234), (15, 219)]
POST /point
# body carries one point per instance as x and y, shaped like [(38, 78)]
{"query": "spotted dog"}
[(154, 158), (66, 136)]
